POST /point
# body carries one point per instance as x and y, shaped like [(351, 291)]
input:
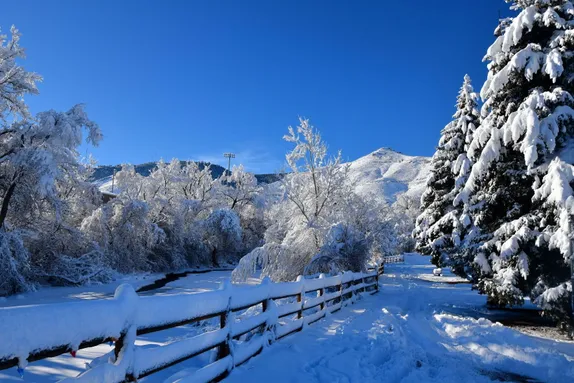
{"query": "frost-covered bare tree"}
[(16, 82), (240, 189), (317, 182), (222, 234), (240, 192), (42, 188), (317, 223), (405, 210)]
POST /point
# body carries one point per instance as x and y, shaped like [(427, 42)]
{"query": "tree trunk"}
[(214, 257), (5, 203)]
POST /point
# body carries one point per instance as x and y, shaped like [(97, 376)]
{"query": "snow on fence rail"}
[(31, 333)]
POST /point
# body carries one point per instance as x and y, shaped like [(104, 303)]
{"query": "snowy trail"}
[(401, 335)]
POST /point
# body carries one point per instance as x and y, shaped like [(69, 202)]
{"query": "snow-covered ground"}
[(68, 294), (413, 330)]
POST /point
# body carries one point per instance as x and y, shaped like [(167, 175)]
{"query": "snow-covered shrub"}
[(276, 261), (345, 249), (14, 264), (404, 210), (125, 235), (63, 270), (222, 234)]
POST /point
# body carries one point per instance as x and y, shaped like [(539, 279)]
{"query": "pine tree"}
[(518, 196), (438, 227)]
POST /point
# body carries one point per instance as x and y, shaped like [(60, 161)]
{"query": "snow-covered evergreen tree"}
[(438, 227), (518, 194)]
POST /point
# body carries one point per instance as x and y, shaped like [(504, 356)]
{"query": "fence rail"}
[(32, 333)]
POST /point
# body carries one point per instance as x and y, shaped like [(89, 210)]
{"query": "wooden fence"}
[(31, 333), (394, 259)]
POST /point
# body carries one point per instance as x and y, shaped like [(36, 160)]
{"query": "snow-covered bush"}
[(404, 213), (222, 235), (122, 230), (345, 249), (62, 270), (14, 264)]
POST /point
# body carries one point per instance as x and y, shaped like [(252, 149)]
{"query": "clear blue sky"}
[(192, 79)]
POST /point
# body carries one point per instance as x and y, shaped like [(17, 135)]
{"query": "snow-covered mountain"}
[(388, 173)]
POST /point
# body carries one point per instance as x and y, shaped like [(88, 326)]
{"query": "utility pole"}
[(229, 156)]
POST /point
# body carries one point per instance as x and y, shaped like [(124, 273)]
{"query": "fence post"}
[(343, 287), (341, 290), (266, 305), (124, 346), (355, 291), (224, 349), (301, 280), (322, 291), (224, 321)]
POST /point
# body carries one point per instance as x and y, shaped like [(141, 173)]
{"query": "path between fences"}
[(32, 333)]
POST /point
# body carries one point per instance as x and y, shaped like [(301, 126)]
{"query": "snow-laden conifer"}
[(517, 198), (438, 228)]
